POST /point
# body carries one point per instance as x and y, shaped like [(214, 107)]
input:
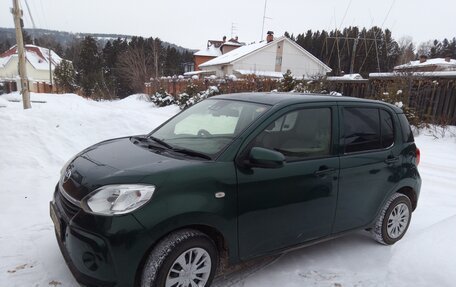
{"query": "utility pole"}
[(352, 64), (50, 67), (355, 44), (17, 13)]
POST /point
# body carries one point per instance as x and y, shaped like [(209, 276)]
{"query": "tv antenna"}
[(234, 29), (264, 18)]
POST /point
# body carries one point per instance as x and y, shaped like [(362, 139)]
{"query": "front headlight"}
[(118, 199)]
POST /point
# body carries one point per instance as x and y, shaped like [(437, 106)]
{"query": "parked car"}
[(233, 178)]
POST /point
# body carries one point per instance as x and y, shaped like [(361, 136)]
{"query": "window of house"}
[(299, 134), (279, 60)]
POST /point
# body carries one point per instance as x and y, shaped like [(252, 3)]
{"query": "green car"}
[(233, 178)]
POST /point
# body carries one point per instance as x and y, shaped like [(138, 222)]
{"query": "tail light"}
[(418, 156)]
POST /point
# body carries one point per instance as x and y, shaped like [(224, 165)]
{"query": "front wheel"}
[(394, 220), (186, 258)]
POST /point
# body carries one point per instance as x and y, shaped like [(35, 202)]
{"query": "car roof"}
[(276, 98)]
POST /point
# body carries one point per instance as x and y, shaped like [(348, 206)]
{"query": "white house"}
[(271, 58), (40, 62)]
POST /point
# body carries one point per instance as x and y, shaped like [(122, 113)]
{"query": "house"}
[(214, 49), (428, 65), (40, 65), (270, 58)]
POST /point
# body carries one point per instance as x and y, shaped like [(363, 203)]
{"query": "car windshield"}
[(209, 126)]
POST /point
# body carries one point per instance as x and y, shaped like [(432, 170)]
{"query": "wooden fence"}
[(35, 87)]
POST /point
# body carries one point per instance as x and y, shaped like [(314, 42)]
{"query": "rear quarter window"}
[(406, 130)]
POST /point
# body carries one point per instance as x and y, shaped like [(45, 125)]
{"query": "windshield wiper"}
[(191, 153), (161, 142)]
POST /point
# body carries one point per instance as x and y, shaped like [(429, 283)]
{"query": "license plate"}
[(57, 224)]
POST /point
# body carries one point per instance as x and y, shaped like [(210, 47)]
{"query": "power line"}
[(33, 22)]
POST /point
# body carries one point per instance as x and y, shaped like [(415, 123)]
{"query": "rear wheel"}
[(186, 258), (394, 220)]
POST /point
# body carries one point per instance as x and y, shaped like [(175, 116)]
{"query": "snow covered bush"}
[(186, 100), (162, 99)]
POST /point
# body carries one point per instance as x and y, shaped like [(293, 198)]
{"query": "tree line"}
[(116, 69), (121, 67), (368, 50)]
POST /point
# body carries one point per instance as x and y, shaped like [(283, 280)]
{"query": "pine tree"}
[(288, 83), (65, 76), (112, 76), (88, 66)]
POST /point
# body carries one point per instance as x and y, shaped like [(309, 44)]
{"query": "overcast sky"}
[(191, 23)]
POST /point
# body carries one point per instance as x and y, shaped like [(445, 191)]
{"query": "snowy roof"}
[(211, 51), (214, 48), (192, 73), (347, 77), (235, 54), (430, 62), (37, 56), (231, 43), (268, 74), (436, 74)]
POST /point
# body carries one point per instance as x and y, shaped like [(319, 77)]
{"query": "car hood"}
[(117, 161)]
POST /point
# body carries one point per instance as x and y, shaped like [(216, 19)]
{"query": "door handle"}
[(324, 172), (391, 159)]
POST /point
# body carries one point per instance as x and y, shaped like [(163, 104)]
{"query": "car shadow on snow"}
[(303, 261)]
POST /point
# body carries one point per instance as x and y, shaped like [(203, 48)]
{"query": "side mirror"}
[(266, 158)]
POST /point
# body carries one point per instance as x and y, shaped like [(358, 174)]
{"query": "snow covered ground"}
[(34, 144)]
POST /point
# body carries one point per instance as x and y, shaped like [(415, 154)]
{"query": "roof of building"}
[(38, 57), (429, 62), (347, 78), (210, 51), (246, 50), (235, 54), (213, 48), (435, 74)]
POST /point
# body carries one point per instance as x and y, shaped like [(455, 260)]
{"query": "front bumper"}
[(99, 250)]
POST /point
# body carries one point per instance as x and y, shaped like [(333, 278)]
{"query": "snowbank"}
[(34, 145)]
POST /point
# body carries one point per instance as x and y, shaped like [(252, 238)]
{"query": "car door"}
[(281, 207), (369, 163)]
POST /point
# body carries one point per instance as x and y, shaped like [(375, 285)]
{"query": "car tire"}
[(179, 259), (394, 220)]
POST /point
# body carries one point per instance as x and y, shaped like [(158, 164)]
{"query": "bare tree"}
[(407, 50), (425, 48), (135, 66)]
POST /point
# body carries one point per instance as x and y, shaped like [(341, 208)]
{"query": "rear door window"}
[(361, 129)]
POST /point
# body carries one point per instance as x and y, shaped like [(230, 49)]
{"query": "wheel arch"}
[(213, 233), (411, 194)]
